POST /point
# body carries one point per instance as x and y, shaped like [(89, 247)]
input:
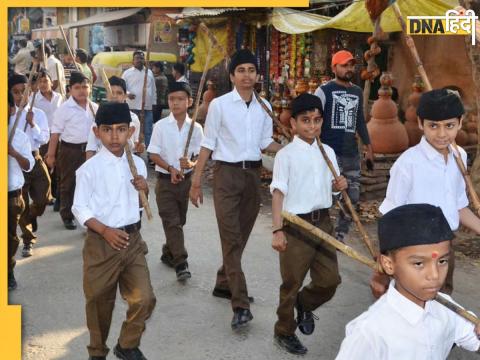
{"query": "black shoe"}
[(226, 294), (97, 358), (34, 223), (241, 317), (70, 224), (167, 260), (128, 354), (12, 283), (182, 272), (291, 343), (27, 250), (305, 319), (56, 205)]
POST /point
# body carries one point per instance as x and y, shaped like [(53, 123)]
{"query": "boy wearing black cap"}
[(70, 127), (237, 129), (166, 151), (297, 164), (37, 186), (118, 94), (106, 202), (20, 162), (406, 323), (427, 173)]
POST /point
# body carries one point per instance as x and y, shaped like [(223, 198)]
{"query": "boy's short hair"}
[(41, 74), (306, 102), (159, 65), (180, 86), (440, 104), (179, 67), (138, 52), (82, 55), (242, 56), (111, 113), (16, 79), (412, 224), (117, 81), (77, 77)]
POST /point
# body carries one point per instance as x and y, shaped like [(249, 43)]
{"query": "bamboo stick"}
[(475, 201), (277, 122), (43, 54), (348, 202), (30, 109), (315, 234), (61, 85)]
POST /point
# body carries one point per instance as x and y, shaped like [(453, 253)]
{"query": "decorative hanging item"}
[(387, 134), (192, 33), (275, 54), (293, 54)]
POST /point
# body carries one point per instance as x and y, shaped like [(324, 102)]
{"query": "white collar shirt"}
[(421, 175), (301, 173), (52, 62), (20, 143), (94, 143), (134, 79), (395, 328), (169, 141), (237, 132), (182, 79), (73, 122), (103, 190), (39, 134), (48, 106)]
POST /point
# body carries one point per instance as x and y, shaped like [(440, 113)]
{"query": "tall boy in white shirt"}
[(302, 184), (166, 151), (106, 202), (406, 323), (427, 173)]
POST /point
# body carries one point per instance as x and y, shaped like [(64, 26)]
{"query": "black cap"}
[(117, 81), (413, 224), (306, 102), (77, 77), (242, 56), (16, 79), (440, 104), (111, 113), (180, 86)]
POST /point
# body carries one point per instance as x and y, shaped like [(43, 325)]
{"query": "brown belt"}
[(314, 216), (246, 164), (167, 176), (81, 146)]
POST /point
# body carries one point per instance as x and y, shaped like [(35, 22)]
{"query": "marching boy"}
[(20, 160), (406, 323), (427, 173), (166, 151), (302, 184), (106, 202)]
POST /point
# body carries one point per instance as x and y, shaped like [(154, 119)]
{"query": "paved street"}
[(188, 323)]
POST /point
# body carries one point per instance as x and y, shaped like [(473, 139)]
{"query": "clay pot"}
[(472, 139), (413, 131), (462, 138)]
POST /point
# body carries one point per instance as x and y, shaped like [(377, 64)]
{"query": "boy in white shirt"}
[(166, 151), (406, 323), (427, 173), (302, 184), (106, 202)]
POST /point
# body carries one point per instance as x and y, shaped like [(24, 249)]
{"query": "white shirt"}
[(182, 79), (39, 134), (22, 61), (52, 62), (301, 173), (48, 106), (421, 175), (169, 141), (103, 190), (134, 79), (73, 122), (395, 328), (94, 143), (235, 132), (20, 143)]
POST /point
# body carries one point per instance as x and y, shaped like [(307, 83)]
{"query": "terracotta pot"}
[(413, 131), (462, 138), (472, 139), (384, 107), (388, 136)]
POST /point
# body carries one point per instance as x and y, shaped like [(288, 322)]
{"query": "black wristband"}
[(277, 230)]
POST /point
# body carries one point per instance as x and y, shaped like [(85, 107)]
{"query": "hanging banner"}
[(162, 31)]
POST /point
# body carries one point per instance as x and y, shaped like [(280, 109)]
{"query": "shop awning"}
[(355, 17), (99, 18), (202, 12)]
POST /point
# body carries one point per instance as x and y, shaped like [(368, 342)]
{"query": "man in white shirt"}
[(37, 186), (237, 129), (406, 323), (20, 159), (71, 125), (52, 62), (166, 150), (134, 77), (22, 60), (178, 72)]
